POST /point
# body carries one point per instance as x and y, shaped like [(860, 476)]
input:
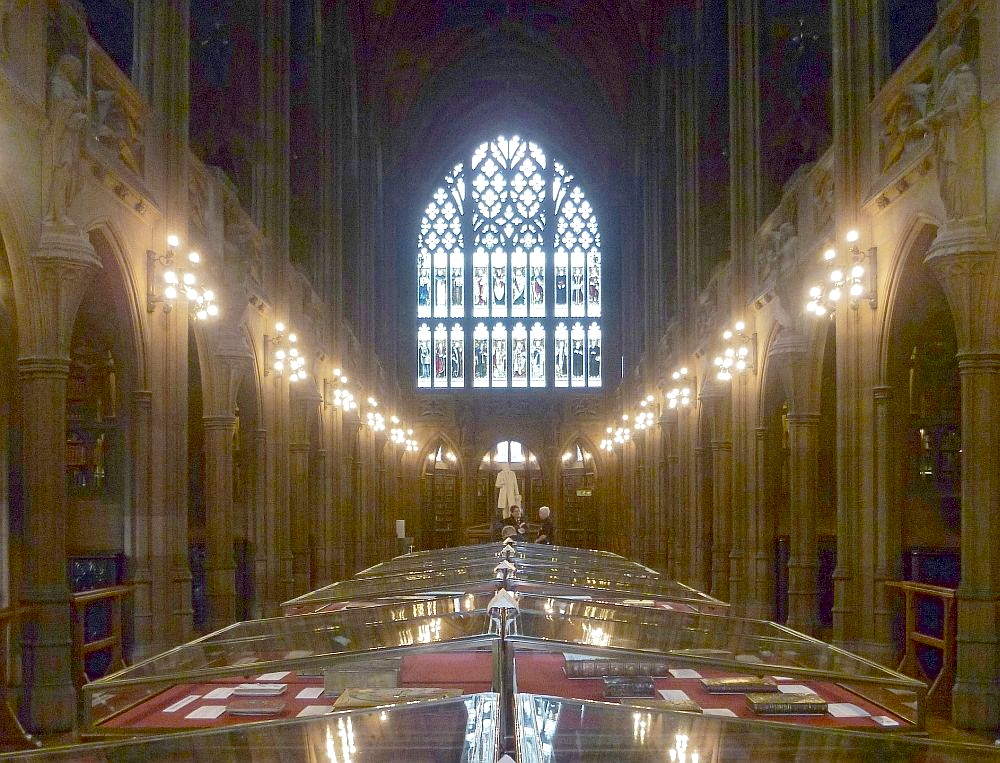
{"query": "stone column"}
[(762, 576), (318, 516), (722, 518), (888, 541), (701, 536), (803, 445), (149, 562), (299, 493), (966, 263), (220, 565), (259, 521), (61, 270)]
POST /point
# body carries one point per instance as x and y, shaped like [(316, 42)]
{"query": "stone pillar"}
[(722, 475), (966, 263), (701, 574), (149, 561), (61, 270), (299, 493), (220, 565), (888, 541), (762, 575), (803, 445), (259, 521), (318, 516)]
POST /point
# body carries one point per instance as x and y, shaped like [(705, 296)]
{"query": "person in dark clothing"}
[(518, 523), (546, 530)]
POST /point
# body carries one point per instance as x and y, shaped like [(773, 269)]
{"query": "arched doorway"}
[(577, 521), (918, 418), (103, 376), (524, 464), (774, 521), (925, 420), (440, 498)]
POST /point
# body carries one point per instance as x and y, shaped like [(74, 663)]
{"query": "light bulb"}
[(816, 292), (209, 295), (394, 419), (202, 315), (857, 271), (820, 310), (279, 327), (727, 335), (170, 276), (213, 310), (336, 372), (294, 352), (675, 375), (170, 292), (173, 241), (852, 236), (684, 371), (280, 354), (740, 325), (191, 294), (857, 289), (741, 365), (730, 352), (686, 392), (829, 254), (343, 380), (279, 366), (834, 295), (810, 307), (189, 279), (194, 257), (293, 338), (836, 275)]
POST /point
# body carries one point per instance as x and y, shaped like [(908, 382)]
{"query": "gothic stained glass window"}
[(526, 234)]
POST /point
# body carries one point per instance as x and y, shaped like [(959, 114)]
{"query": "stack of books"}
[(359, 698), (259, 690), (786, 704), (619, 687), (682, 705), (256, 707), (602, 668), (739, 685)]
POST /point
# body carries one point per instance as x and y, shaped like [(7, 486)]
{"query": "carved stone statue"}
[(777, 249), (954, 121), (67, 117)]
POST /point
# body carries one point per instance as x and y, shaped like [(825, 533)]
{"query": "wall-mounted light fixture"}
[(679, 396), (282, 349), (739, 353), (178, 278), (852, 280)]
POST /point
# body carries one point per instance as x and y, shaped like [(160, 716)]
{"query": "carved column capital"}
[(61, 269), (965, 262)]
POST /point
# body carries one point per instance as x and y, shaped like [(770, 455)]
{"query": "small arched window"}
[(509, 255)]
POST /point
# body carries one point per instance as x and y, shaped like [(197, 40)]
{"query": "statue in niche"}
[(67, 118), (901, 128), (117, 131), (778, 248), (953, 119)]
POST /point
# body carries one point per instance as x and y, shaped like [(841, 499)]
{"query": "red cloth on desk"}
[(544, 673)]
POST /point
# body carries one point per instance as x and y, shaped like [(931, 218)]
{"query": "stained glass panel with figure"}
[(535, 250)]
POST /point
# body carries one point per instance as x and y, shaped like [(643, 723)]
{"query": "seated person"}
[(546, 530), (517, 521)]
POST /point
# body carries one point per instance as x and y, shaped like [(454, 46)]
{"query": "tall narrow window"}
[(526, 234)]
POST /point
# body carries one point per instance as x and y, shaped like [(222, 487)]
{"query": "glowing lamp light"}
[(279, 327), (173, 241), (829, 254), (194, 257), (852, 236), (170, 292)]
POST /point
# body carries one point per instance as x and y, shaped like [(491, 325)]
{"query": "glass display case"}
[(561, 650), (457, 729), (550, 729), (598, 582), (282, 667), (708, 663)]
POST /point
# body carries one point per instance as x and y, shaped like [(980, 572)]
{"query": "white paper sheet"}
[(181, 703), (207, 712), (310, 693), (314, 710), (674, 695), (719, 711), (846, 710), (885, 720), (273, 676), (795, 689), (684, 673), (221, 693), (782, 678)]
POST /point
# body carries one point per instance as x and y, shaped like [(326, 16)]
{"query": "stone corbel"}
[(62, 267)]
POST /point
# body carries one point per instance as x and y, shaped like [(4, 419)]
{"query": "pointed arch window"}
[(523, 230)]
